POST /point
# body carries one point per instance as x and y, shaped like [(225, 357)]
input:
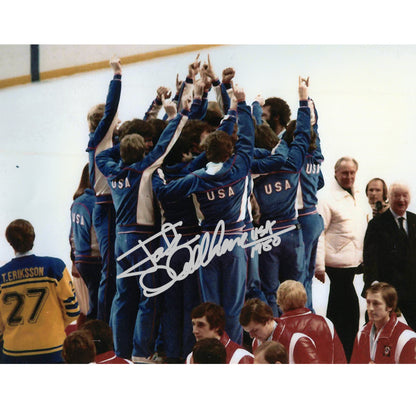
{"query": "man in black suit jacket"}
[(390, 251)]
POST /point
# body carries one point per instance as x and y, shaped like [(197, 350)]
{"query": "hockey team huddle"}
[(198, 235)]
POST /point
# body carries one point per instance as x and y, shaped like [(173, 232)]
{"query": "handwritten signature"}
[(260, 239)]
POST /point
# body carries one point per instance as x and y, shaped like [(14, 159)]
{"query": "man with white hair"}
[(390, 250)]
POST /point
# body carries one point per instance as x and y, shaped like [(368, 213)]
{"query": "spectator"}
[(208, 321), (292, 298), (257, 319), (271, 352), (390, 250), (79, 348), (102, 336), (340, 249), (376, 191), (38, 301), (209, 351), (384, 339)]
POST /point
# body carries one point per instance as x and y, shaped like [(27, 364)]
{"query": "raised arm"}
[(111, 105), (244, 146), (153, 111)]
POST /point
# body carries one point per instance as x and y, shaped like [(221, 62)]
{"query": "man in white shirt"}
[(340, 246)]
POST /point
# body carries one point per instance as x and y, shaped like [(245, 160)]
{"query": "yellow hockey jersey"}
[(37, 302)]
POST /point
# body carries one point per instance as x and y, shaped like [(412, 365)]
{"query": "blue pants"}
[(104, 224), (223, 281), (253, 275), (312, 227), (91, 274), (176, 306), (284, 262), (134, 317)]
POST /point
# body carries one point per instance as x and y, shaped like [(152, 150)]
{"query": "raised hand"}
[(259, 99), (239, 93), (209, 70), (178, 84), (169, 106), (199, 88), (303, 88), (163, 91), (115, 64), (194, 67), (228, 75), (186, 102)]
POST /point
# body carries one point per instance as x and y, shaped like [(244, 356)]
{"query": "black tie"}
[(402, 230)]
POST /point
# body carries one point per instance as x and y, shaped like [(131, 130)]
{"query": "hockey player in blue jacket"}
[(311, 180), (275, 190), (102, 120), (221, 189), (85, 252), (133, 314), (179, 300)]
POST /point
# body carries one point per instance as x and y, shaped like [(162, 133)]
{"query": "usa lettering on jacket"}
[(277, 187), (220, 193), (312, 168), (121, 183), (78, 219)]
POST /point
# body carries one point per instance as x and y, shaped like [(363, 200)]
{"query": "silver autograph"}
[(259, 239)]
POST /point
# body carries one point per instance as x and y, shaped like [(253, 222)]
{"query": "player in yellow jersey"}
[(37, 301)]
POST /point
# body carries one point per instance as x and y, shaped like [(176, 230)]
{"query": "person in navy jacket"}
[(221, 189), (275, 188), (102, 122), (129, 175)]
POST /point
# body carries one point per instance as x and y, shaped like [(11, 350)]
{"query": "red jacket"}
[(395, 344), (235, 353), (321, 330), (300, 347), (110, 357)]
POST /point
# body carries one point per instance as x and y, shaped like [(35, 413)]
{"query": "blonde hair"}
[(94, 116), (291, 295)]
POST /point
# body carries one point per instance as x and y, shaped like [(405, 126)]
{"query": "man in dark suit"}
[(390, 251)]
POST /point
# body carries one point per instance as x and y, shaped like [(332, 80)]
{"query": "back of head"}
[(84, 182), (265, 137), (209, 351), (182, 146), (94, 116), (136, 126), (291, 295), (257, 311), (388, 293), (274, 352), (101, 333), (219, 146), (279, 108), (158, 126), (20, 235), (213, 313), (214, 114), (78, 348), (132, 148)]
